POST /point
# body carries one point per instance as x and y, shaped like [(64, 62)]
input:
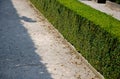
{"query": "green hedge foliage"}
[(117, 1), (94, 34)]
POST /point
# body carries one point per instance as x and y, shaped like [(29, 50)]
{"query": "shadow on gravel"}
[(27, 19), (18, 59)]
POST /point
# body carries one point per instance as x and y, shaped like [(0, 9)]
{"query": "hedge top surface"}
[(106, 22)]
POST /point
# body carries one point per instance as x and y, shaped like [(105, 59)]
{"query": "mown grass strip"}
[(105, 21)]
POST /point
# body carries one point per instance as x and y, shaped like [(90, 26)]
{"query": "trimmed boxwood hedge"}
[(117, 1), (93, 33)]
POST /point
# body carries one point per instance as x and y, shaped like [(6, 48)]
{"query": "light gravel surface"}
[(30, 47), (103, 8)]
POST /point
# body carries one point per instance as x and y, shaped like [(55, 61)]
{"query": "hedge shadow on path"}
[(18, 59)]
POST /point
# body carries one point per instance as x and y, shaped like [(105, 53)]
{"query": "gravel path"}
[(103, 8), (30, 47)]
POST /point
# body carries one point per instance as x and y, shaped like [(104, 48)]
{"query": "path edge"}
[(70, 45)]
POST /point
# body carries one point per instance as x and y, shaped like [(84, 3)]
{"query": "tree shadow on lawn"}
[(18, 59)]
